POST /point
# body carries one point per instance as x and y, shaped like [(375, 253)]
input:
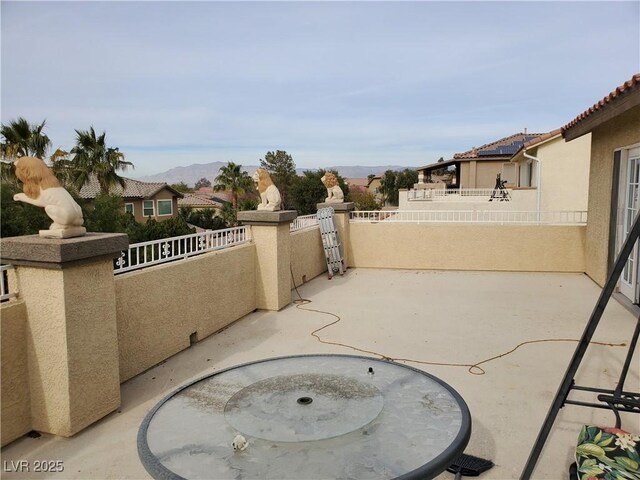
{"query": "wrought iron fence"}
[(145, 254)]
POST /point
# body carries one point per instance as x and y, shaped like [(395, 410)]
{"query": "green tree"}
[(92, 157), (18, 218), (282, 170), (22, 139), (392, 181), (203, 182), (233, 179), (388, 188), (205, 218), (364, 200), (229, 215), (308, 190), (248, 203), (181, 187), (407, 178)]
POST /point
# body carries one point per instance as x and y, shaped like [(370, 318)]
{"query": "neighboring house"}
[(198, 201), (373, 186), (143, 200), (478, 167), (614, 185), (556, 170)]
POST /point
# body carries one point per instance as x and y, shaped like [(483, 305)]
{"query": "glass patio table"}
[(307, 417)]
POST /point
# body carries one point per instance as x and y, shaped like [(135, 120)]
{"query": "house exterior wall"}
[(14, 372), (160, 307), (621, 131), (486, 173), (530, 248), (307, 255), (163, 194), (565, 173), (479, 174)]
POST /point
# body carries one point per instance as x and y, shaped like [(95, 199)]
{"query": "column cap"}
[(261, 217), (58, 253), (338, 207)]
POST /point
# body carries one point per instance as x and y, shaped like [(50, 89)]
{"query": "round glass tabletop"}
[(307, 416)]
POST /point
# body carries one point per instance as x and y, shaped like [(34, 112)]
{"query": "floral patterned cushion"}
[(607, 453)]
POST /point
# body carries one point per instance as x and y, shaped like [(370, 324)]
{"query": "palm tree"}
[(92, 157), (21, 139), (233, 179)]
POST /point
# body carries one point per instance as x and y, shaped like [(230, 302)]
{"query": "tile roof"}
[(132, 189), (622, 90), (532, 143), (506, 146), (197, 200)]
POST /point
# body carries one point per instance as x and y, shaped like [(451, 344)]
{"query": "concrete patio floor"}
[(451, 317)]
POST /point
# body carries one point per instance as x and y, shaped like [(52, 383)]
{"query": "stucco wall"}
[(307, 255), (158, 308), (619, 132), (14, 372), (468, 247), (565, 173)]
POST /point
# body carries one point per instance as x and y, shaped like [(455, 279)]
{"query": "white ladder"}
[(331, 242)]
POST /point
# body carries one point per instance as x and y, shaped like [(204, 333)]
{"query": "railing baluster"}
[(155, 252)]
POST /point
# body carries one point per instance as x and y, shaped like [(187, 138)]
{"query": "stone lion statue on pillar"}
[(269, 193), (334, 192), (42, 189)]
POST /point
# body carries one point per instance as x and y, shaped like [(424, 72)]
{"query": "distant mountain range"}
[(191, 174)]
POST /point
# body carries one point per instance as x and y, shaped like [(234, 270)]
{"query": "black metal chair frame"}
[(616, 400)]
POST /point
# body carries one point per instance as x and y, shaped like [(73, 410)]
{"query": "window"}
[(128, 207), (147, 208), (165, 207)]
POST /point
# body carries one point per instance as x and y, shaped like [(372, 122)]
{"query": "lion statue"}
[(42, 189), (334, 192), (269, 193)]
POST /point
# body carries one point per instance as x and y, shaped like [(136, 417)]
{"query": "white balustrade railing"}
[(5, 294), (145, 254), (448, 194), (471, 216), (304, 221)]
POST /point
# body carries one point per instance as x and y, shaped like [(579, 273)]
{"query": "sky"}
[(332, 83)]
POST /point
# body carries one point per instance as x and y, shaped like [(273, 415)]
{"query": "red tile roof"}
[(617, 93)]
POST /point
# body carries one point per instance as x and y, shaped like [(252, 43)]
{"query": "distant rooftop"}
[(198, 200), (506, 146), (132, 189)]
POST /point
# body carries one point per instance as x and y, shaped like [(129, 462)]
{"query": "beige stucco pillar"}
[(342, 214), (271, 235), (72, 348)]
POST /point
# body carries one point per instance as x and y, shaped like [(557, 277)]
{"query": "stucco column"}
[(72, 345), (342, 214), (271, 235)]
